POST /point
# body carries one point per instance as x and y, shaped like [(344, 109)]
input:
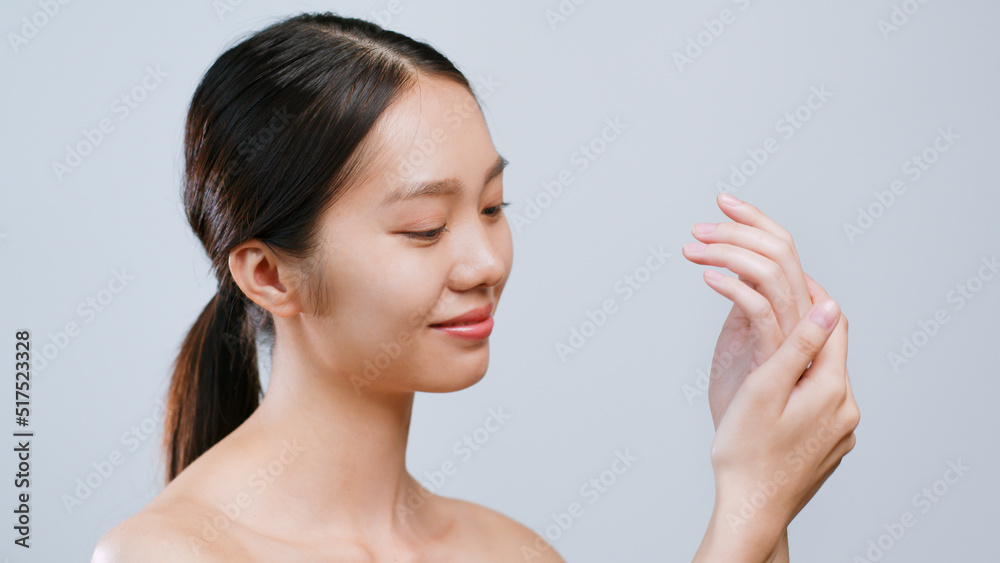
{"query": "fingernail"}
[(823, 314), (729, 200), (704, 228), (695, 247), (713, 275)]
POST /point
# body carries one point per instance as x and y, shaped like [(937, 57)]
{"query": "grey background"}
[(62, 241)]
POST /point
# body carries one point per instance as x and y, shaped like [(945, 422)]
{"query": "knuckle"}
[(788, 245), (786, 236), (773, 271), (781, 304), (851, 440), (853, 416), (761, 311), (804, 345)]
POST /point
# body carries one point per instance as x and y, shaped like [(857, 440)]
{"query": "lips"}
[(473, 316)]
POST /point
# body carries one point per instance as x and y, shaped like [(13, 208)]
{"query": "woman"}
[(345, 186)]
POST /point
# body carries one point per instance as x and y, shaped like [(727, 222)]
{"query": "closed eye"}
[(496, 209), (435, 234), (427, 235)]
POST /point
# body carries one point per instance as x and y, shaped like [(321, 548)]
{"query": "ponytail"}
[(215, 385)]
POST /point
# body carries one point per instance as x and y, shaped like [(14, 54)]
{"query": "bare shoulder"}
[(510, 539), (160, 534)]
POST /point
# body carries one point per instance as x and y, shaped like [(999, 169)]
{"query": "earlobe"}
[(264, 278)]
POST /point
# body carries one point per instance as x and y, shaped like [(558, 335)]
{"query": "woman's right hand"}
[(785, 431)]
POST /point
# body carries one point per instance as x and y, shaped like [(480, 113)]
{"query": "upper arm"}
[(517, 542), (531, 546)]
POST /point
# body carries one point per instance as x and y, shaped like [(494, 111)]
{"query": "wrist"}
[(733, 538)]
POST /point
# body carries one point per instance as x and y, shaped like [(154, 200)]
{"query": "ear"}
[(266, 279)]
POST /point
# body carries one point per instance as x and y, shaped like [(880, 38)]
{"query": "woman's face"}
[(390, 271)]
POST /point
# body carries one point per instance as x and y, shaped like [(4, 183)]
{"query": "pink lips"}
[(472, 325)]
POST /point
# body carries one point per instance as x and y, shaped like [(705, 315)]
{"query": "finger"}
[(776, 378), (816, 291), (831, 362), (817, 294), (748, 214), (768, 245), (761, 273), (754, 306), (825, 381)]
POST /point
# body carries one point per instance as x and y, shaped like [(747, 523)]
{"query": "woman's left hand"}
[(769, 297)]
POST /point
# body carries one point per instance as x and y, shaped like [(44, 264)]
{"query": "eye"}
[(427, 235), (496, 209)]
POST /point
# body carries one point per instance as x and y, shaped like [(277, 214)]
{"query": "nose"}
[(478, 261)]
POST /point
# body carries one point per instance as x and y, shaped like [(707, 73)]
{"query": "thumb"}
[(777, 376)]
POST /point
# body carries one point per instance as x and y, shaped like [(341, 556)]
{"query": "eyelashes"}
[(434, 234), (427, 235), (498, 209)]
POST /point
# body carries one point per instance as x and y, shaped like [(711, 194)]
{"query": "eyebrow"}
[(444, 187)]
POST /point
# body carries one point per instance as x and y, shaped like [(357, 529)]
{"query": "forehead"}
[(434, 130)]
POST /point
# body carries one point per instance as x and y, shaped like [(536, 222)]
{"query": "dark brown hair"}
[(273, 138)]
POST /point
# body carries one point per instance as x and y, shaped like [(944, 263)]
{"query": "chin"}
[(454, 378)]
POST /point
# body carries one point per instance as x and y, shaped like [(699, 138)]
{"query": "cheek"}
[(375, 299)]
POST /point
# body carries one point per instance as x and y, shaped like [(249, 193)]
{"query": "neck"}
[(342, 453)]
